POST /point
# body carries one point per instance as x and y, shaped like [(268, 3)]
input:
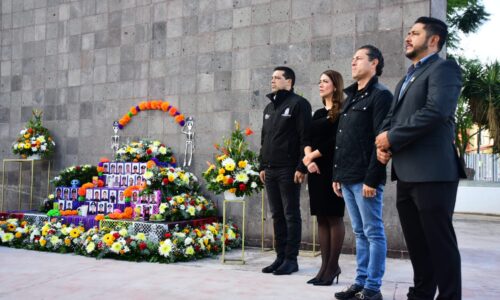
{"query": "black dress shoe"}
[(313, 280), (273, 267), (349, 293), (287, 268)]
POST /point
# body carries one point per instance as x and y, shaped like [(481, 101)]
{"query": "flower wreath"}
[(151, 105)]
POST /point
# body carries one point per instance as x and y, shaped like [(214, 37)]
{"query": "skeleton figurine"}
[(115, 139), (188, 130)]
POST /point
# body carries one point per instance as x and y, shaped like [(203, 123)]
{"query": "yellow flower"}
[(223, 156), (242, 164), (45, 230), (74, 233), (222, 171), (219, 178), (230, 167), (108, 239), (171, 177), (180, 199), (18, 235), (27, 146), (165, 248), (67, 241), (210, 168), (26, 135), (191, 210), (198, 232), (90, 247), (233, 190), (7, 237), (190, 250), (11, 227), (209, 247), (116, 247), (43, 242), (140, 236)]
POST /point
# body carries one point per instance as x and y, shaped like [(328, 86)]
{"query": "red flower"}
[(168, 235), (203, 227), (128, 241), (30, 130), (164, 181), (192, 202), (230, 180), (77, 168), (242, 187), (248, 131), (142, 246), (116, 235), (216, 248), (149, 151)]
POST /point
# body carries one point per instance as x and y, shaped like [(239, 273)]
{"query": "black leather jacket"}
[(285, 131), (355, 157)]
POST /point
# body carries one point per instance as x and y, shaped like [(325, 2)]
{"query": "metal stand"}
[(224, 259), (312, 253), (21, 161), (262, 222)]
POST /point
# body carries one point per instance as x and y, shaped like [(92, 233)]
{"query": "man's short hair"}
[(434, 26), (375, 53), (287, 73)]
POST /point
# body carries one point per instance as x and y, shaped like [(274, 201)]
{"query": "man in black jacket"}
[(358, 176), (419, 135), (284, 136)]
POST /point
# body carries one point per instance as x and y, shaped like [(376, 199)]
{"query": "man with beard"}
[(418, 134)]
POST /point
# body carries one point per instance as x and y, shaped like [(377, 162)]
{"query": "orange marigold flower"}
[(150, 164), (248, 131), (164, 106)]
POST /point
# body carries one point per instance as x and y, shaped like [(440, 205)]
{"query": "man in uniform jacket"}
[(284, 136), (418, 134)]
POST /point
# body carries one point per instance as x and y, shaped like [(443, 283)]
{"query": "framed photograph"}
[(128, 168), (109, 208), (143, 168), (104, 195), (131, 180), (109, 179), (106, 167), (112, 168), (69, 204), (65, 194), (92, 207), (62, 204), (138, 179), (89, 194), (135, 196), (119, 168), (58, 193), (124, 181), (97, 195), (112, 196), (74, 194), (135, 168), (121, 197), (116, 180), (101, 207)]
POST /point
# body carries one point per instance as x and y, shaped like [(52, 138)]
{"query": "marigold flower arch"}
[(151, 105)]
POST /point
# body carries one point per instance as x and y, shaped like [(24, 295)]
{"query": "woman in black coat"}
[(325, 205)]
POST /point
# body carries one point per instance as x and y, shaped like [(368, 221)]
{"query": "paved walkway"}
[(37, 275)]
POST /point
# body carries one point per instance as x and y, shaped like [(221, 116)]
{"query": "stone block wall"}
[(86, 62)]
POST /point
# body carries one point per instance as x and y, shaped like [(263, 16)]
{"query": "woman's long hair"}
[(338, 94)]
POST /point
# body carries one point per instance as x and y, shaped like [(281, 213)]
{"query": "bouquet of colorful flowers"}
[(170, 181), (187, 206), (57, 237), (236, 167), (82, 173), (34, 139), (191, 243), (144, 151), (14, 234)]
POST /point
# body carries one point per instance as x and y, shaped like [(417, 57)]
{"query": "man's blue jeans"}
[(368, 227)]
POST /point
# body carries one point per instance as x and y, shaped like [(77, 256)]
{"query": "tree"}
[(464, 16)]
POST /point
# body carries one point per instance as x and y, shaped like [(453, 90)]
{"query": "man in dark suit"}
[(418, 135)]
